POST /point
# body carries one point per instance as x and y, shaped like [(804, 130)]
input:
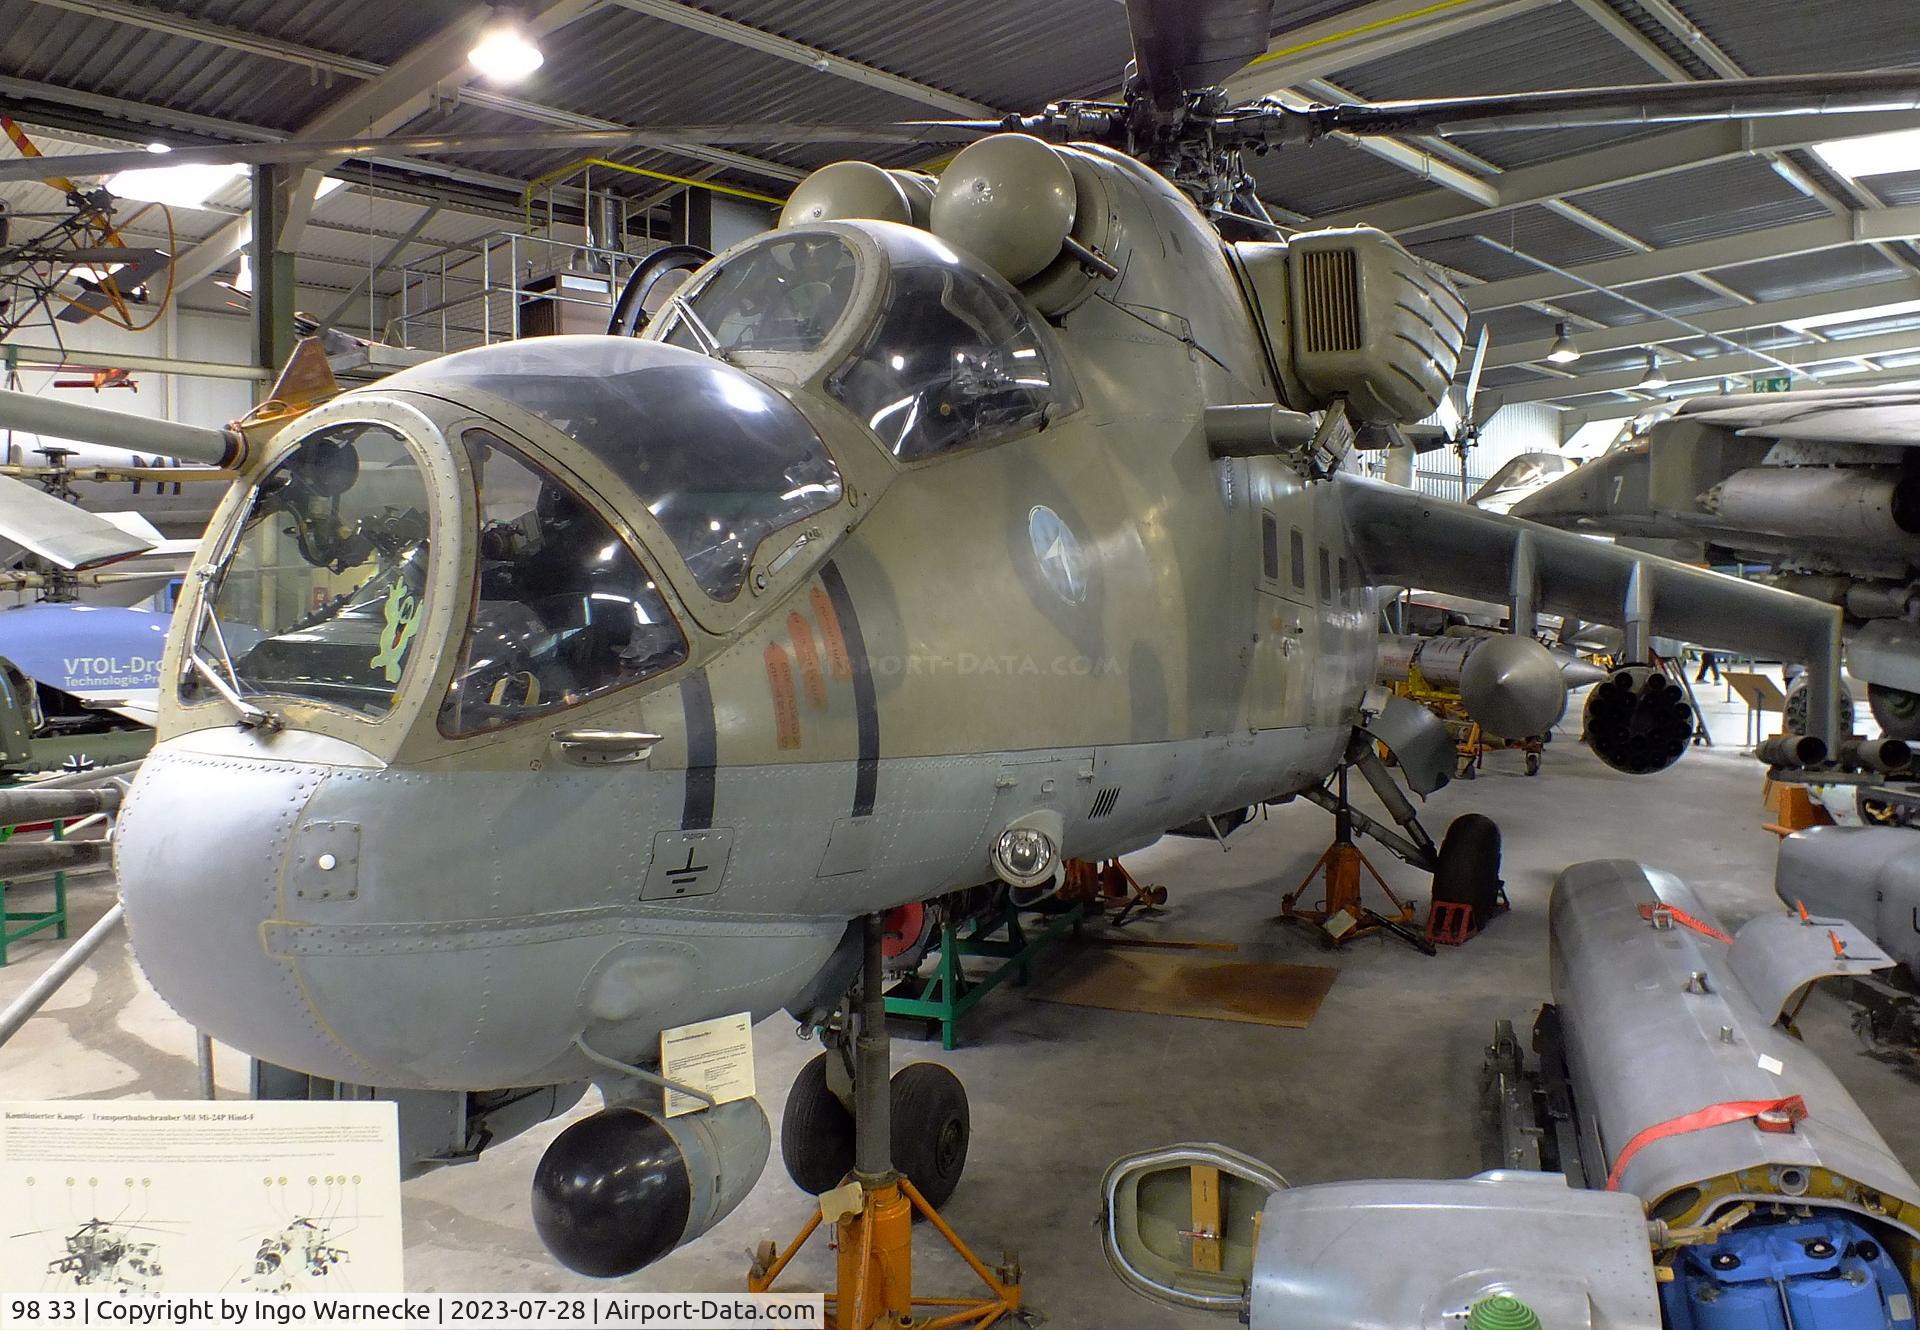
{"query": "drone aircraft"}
[(550, 695), (1818, 486)]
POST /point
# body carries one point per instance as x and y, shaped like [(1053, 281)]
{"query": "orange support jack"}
[(872, 1214), (1340, 867), (874, 1276)]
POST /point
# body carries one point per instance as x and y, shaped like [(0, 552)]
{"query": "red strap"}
[(1782, 1112), (1682, 918)]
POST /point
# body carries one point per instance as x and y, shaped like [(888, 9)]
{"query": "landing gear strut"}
[(1342, 912), (917, 1120)]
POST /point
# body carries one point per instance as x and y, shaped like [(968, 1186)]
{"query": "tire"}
[(1469, 869), (1896, 710), (1533, 764), (931, 1129), (816, 1132)]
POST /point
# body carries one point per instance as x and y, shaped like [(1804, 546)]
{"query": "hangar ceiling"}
[(1729, 250)]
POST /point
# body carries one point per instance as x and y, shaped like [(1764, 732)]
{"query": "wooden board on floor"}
[(1164, 984)]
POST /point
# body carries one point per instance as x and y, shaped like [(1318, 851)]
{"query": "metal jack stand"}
[(1340, 865), (872, 1216)]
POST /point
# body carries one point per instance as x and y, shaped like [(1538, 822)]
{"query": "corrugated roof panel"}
[(990, 51), (1552, 46), (118, 60), (1808, 274), (1897, 188), (1329, 176), (1706, 203), (1793, 37)]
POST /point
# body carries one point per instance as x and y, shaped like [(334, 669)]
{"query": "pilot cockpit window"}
[(322, 592), (954, 361), (719, 459), (562, 610), (781, 295)]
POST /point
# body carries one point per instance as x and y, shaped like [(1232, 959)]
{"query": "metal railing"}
[(450, 303)]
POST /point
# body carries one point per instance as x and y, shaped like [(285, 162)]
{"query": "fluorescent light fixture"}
[(1856, 315), (506, 53), (1794, 176), (1873, 154), (1655, 377), (243, 279), (1563, 352), (174, 186)]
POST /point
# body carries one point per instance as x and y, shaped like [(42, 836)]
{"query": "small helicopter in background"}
[(552, 695)]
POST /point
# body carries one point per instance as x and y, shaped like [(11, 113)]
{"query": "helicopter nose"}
[(198, 852)]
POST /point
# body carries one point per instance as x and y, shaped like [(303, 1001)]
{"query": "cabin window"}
[(1346, 585), (562, 609), (783, 295), (1298, 554), (1326, 577), (1270, 546), (954, 360), (718, 458), (319, 597)]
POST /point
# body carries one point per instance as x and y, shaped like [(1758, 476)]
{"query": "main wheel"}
[(1896, 710), (816, 1131), (931, 1128), (1469, 869)]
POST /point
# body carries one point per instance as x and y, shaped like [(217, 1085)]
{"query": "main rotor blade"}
[(1470, 421), (1640, 104), (406, 145), (1181, 45)]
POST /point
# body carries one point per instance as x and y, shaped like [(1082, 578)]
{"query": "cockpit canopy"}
[(720, 459), (932, 351)]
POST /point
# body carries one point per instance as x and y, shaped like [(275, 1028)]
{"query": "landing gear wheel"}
[(1896, 710), (1469, 769), (1533, 764), (1469, 869), (931, 1128), (816, 1131)]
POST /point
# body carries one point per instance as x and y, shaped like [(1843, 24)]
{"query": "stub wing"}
[(1410, 539), (1821, 416)]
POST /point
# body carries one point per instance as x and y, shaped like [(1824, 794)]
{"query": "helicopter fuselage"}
[(1091, 625)]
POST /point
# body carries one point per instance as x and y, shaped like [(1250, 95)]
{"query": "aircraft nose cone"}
[(198, 852)]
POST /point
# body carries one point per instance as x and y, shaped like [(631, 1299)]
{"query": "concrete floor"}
[(1383, 1084)]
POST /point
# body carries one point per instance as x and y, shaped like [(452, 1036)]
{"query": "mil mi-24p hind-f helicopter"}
[(554, 694)]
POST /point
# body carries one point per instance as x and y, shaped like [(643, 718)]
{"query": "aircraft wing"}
[(1408, 538), (33, 520), (1824, 416)]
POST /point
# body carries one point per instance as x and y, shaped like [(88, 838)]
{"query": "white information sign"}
[(131, 1198)]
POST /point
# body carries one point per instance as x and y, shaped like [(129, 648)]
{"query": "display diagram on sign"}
[(159, 1197), (715, 1056)]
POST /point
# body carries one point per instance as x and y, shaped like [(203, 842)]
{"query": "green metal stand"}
[(33, 921), (950, 992)]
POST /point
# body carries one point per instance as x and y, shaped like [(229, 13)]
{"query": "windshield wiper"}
[(251, 717), (709, 344)]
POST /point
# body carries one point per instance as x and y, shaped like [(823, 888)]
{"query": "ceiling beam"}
[(826, 62), (1370, 32), (1623, 164), (332, 63), (1772, 242), (1766, 314), (375, 107), (1840, 351)]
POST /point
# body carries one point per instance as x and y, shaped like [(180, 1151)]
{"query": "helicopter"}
[(550, 695)]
